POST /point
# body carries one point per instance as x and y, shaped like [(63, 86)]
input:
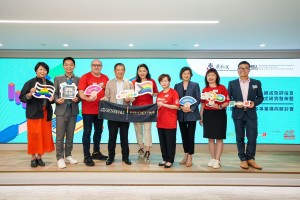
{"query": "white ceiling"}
[(244, 25)]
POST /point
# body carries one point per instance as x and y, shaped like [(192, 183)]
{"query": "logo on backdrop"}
[(289, 135)]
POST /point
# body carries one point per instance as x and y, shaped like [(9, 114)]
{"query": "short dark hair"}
[(119, 64), (183, 70), (212, 70), (160, 78), (44, 65), (69, 58), (148, 76), (244, 62)]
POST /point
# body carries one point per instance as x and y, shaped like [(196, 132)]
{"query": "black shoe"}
[(127, 161), (34, 163), (40, 162), (162, 163), (88, 161), (109, 161), (168, 166), (99, 156)]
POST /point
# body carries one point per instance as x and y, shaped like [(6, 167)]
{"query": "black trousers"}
[(113, 128), (167, 140), (187, 130)]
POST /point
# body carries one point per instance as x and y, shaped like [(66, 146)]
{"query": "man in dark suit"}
[(245, 117), (66, 112)]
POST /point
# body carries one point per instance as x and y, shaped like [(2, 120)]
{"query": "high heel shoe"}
[(189, 161), (183, 161), (147, 157), (141, 154)]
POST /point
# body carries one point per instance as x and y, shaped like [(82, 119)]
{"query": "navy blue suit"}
[(245, 118), (187, 121)]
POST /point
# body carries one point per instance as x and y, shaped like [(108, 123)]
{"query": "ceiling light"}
[(196, 45), (262, 45), (131, 45), (105, 22), (66, 45), (1, 45)]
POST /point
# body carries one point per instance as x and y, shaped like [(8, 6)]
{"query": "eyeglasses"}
[(96, 65), (243, 68)]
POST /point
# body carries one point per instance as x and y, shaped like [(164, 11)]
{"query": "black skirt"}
[(214, 124)]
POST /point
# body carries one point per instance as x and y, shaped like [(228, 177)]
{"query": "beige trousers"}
[(143, 131)]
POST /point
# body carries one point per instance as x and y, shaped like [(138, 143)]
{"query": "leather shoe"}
[(33, 163), (127, 161), (244, 165), (168, 165), (253, 164), (99, 156), (40, 162), (109, 161), (162, 163), (88, 161)]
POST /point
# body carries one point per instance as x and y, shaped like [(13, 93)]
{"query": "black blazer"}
[(34, 107), (255, 94), (192, 90)]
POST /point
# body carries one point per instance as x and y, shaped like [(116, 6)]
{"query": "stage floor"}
[(280, 168), (272, 162)]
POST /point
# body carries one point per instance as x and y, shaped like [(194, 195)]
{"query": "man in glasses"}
[(66, 112), (247, 94), (90, 108)]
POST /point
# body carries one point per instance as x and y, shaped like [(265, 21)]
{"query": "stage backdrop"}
[(279, 114)]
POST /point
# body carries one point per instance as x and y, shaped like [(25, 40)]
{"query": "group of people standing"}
[(212, 117)]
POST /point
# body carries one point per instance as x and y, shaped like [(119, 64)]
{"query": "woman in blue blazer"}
[(188, 115)]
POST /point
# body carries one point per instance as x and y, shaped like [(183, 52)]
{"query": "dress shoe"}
[(244, 165), (99, 156), (162, 163), (40, 162), (183, 161), (168, 165), (33, 163), (253, 164), (88, 161), (109, 161), (127, 161)]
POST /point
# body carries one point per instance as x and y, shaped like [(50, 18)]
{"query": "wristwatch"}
[(220, 107)]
